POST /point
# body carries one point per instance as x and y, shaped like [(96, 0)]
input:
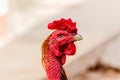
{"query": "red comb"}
[(64, 24)]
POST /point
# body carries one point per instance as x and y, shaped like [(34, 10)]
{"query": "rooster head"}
[(61, 42)]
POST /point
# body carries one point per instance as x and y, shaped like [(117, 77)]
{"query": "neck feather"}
[(51, 63)]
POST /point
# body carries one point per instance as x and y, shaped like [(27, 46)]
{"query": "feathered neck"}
[(51, 64)]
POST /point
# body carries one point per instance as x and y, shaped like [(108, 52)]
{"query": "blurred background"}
[(23, 28)]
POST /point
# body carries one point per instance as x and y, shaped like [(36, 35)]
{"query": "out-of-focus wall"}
[(3, 16), (4, 12), (3, 25), (111, 56)]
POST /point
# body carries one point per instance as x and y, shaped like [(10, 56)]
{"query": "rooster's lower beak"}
[(77, 37)]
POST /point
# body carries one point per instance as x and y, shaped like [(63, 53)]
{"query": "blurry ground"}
[(19, 63), (100, 75), (99, 72)]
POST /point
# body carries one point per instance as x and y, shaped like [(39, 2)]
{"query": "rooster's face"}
[(61, 43)]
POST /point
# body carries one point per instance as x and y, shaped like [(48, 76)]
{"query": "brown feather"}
[(45, 48), (63, 77)]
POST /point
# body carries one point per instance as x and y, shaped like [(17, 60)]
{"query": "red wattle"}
[(70, 50), (63, 59)]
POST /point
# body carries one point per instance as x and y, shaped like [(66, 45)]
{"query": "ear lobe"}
[(71, 49), (54, 49)]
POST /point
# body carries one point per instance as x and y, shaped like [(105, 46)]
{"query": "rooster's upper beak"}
[(77, 37)]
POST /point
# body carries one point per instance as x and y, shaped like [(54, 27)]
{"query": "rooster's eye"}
[(60, 35)]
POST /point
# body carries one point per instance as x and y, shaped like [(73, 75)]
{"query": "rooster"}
[(57, 45)]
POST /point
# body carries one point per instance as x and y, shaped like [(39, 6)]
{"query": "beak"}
[(77, 37)]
